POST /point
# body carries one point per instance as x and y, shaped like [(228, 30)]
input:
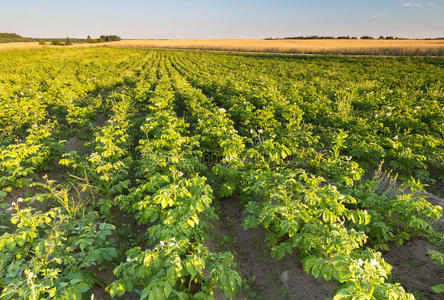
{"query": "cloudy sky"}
[(222, 19)]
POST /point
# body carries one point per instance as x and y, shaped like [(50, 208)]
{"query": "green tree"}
[(68, 41)]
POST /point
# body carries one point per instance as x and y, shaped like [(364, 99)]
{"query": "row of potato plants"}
[(391, 209), (291, 137), (46, 112), (174, 200), (52, 240), (414, 223), (401, 126)]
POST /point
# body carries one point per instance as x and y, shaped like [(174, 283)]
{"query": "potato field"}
[(119, 168)]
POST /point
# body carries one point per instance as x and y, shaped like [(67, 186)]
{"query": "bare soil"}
[(74, 144), (267, 278), (413, 268)]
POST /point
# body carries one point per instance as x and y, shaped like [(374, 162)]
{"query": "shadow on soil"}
[(267, 278)]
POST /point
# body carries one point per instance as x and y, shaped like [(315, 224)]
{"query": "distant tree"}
[(10, 35), (55, 42), (68, 41), (108, 38), (42, 42), (389, 38), (113, 38), (381, 37), (366, 37), (89, 39)]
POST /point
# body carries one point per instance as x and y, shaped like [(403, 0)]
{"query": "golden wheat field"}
[(35, 45), (355, 47), (346, 47)]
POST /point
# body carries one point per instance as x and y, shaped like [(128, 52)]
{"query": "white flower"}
[(396, 137), (230, 158), (31, 275), (222, 110), (128, 259), (373, 262), (360, 262), (21, 93), (171, 244), (389, 114), (376, 115), (180, 174), (162, 243), (260, 131), (19, 200)]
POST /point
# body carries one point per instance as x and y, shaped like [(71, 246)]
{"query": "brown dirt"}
[(268, 278), (56, 173), (413, 268), (74, 144), (100, 121), (16, 193)]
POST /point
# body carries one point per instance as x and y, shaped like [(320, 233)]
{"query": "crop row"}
[(309, 146)]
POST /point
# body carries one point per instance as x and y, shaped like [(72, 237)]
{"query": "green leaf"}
[(73, 294), (438, 288), (342, 294), (116, 289), (82, 287), (167, 289)]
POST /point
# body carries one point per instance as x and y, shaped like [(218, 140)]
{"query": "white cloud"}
[(411, 4), (433, 4), (378, 15)]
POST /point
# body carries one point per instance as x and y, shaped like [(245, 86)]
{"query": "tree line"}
[(103, 38), (68, 41), (345, 37)]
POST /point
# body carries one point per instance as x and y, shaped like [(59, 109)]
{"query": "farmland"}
[(314, 46), (294, 46), (139, 173)]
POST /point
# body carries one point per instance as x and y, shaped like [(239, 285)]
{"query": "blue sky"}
[(222, 19)]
